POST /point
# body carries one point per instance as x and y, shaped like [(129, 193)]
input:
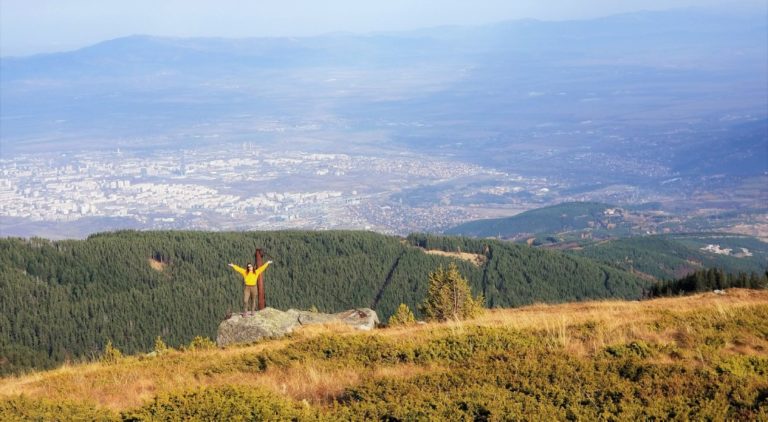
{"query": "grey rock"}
[(274, 323)]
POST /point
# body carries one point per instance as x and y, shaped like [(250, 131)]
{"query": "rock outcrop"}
[(274, 323)]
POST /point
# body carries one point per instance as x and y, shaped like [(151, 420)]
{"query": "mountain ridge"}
[(622, 20), (550, 219)]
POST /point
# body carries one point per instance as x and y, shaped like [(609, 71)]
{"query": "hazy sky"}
[(34, 26)]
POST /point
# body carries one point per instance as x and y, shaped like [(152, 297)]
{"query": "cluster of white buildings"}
[(717, 249), (209, 186)]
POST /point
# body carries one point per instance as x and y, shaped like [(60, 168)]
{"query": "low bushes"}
[(228, 403), (707, 364)]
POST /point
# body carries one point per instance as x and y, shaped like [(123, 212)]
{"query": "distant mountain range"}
[(682, 89)]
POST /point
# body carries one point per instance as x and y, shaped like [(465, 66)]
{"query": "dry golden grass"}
[(473, 258), (128, 384), (136, 380), (621, 321)]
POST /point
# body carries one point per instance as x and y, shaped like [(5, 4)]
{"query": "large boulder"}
[(274, 323)]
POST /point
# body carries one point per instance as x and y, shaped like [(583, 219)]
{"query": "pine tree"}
[(449, 296), (160, 346), (112, 354), (403, 316), (201, 343)]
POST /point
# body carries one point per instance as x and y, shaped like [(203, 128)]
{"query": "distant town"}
[(241, 186), (201, 189)]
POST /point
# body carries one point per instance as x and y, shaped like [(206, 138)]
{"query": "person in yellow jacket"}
[(250, 276)]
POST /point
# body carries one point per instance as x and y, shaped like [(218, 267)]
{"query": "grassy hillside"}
[(554, 219), (63, 300), (674, 256), (702, 357)]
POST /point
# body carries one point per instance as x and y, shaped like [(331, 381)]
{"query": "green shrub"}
[(201, 343), (636, 348), (160, 346), (402, 317), (111, 355), (228, 403), (25, 409), (744, 366)]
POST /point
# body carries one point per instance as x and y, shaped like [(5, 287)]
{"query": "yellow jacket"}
[(250, 278)]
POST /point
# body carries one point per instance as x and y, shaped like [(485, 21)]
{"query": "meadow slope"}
[(702, 356)]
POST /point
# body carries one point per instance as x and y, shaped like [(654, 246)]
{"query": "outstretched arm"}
[(262, 268), (239, 269)]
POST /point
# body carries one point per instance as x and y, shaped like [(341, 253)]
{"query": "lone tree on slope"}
[(449, 296)]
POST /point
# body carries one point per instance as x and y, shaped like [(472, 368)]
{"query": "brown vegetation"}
[(702, 331)]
